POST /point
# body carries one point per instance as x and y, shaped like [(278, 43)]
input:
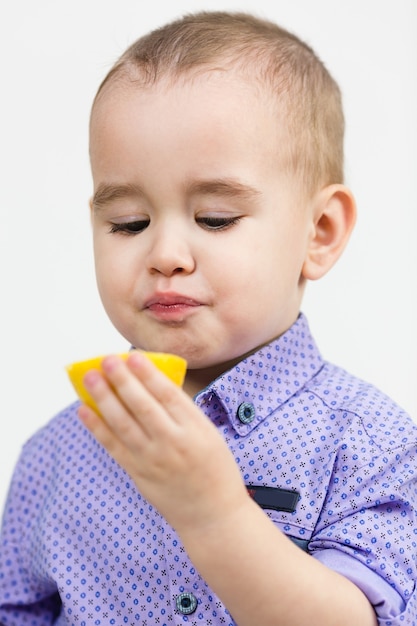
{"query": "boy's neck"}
[(198, 379)]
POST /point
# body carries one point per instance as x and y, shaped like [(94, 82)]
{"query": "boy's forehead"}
[(131, 83), (217, 117), (213, 101)]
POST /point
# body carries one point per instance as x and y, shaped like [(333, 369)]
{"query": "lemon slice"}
[(171, 365)]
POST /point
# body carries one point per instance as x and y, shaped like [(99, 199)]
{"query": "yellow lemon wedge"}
[(171, 365)]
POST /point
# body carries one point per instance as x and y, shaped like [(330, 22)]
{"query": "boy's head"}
[(267, 55), (216, 153)]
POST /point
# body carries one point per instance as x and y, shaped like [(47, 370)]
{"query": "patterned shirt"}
[(80, 546)]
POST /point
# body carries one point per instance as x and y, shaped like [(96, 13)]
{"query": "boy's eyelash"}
[(209, 222), (217, 223), (129, 228)]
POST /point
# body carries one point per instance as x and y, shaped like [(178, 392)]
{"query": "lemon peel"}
[(173, 366)]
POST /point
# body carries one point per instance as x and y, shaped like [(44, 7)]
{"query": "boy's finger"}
[(126, 456), (163, 390), (113, 407), (101, 431), (154, 418)]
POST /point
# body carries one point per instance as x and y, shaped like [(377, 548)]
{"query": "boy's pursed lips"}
[(170, 299), (170, 304)]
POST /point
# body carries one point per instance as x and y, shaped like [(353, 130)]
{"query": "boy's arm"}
[(24, 597), (181, 465), (261, 575)]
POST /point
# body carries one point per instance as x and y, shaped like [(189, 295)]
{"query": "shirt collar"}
[(259, 384)]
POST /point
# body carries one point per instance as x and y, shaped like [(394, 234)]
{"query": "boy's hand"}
[(174, 454)]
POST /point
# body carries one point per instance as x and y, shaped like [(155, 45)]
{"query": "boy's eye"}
[(217, 223), (129, 228)]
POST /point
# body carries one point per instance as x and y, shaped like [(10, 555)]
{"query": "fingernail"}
[(91, 379), (135, 358), (109, 363)]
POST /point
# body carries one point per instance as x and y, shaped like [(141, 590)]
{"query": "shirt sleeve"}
[(25, 599), (367, 531)]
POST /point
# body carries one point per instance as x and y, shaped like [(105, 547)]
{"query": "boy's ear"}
[(334, 216)]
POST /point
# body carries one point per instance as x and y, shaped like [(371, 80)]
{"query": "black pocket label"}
[(274, 498)]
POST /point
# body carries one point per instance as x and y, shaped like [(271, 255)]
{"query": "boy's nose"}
[(170, 254)]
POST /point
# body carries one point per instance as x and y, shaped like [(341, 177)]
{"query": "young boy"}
[(275, 489)]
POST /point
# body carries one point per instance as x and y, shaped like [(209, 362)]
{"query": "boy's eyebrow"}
[(222, 187), (226, 187), (106, 192)]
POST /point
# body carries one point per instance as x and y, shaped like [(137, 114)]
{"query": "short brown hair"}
[(269, 54)]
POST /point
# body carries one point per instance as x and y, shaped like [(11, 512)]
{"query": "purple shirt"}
[(79, 544)]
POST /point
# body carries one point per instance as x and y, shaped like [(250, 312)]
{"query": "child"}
[(276, 489)]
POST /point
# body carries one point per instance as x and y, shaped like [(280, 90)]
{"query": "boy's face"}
[(199, 232)]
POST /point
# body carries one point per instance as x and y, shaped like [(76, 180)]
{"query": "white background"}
[(53, 54)]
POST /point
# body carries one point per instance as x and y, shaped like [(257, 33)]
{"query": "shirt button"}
[(186, 603), (246, 413)]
